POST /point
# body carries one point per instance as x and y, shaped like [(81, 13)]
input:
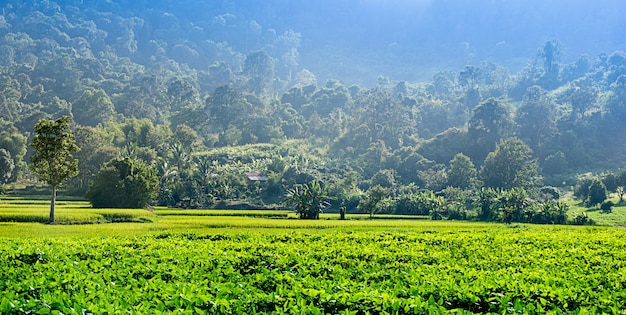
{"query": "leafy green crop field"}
[(424, 269), (245, 262)]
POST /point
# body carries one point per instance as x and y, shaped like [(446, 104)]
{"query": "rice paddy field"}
[(103, 261)]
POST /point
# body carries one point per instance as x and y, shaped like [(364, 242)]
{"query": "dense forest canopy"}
[(206, 91)]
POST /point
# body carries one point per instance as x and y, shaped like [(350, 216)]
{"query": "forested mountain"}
[(205, 98)]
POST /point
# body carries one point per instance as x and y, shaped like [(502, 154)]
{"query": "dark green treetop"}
[(123, 183), (510, 165), (462, 173)]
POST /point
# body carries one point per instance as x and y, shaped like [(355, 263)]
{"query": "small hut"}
[(256, 177)]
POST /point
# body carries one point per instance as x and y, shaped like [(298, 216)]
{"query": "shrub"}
[(607, 206), (486, 202), (549, 212), (435, 214), (123, 183), (408, 203), (582, 187), (550, 192), (583, 219), (456, 211), (596, 194)]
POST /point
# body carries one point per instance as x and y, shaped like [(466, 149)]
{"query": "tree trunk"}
[(52, 203)]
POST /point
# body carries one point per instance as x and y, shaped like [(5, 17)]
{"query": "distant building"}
[(256, 177)]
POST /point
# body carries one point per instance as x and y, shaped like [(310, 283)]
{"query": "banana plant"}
[(308, 199)]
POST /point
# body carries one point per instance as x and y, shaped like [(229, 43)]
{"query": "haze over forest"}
[(357, 94), (355, 41), (412, 40)]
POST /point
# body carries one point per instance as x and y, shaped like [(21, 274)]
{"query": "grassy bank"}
[(617, 216), (24, 218)]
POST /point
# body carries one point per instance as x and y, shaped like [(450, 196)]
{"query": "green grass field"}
[(67, 212), (23, 218), (616, 217), (249, 261)]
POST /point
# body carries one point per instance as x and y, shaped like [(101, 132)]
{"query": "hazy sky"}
[(448, 32), (485, 22)]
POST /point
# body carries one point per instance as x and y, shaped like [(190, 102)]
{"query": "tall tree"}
[(226, 106), (6, 166), (373, 197), (490, 122), (259, 69), (95, 150), (15, 143), (462, 173), (549, 56), (536, 118), (597, 193), (52, 159), (185, 103), (384, 117), (469, 79), (511, 165)]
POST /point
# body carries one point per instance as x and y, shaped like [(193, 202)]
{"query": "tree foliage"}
[(462, 173), (374, 200), (515, 205), (510, 165), (52, 159), (490, 123), (93, 107), (536, 118), (6, 166), (596, 194), (123, 183), (15, 144)]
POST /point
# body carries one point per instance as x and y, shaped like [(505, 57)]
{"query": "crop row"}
[(503, 270)]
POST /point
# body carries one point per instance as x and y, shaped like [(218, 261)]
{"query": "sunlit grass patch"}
[(25, 230), (617, 216), (38, 198), (67, 212), (76, 216), (41, 205), (22, 218), (178, 223), (366, 216), (277, 214), (280, 214)]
